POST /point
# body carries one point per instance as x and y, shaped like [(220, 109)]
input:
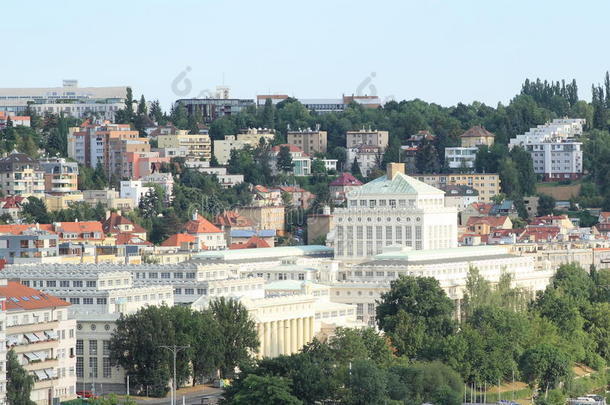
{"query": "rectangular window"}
[(64, 283), (369, 232), (359, 232), (388, 233), (164, 275), (93, 367), (102, 301), (88, 301), (371, 309), (107, 369), (80, 372), (379, 232), (75, 301), (79, 347), (153, 275), (106, 347), (91, 284), (93, 347), (51, 283)]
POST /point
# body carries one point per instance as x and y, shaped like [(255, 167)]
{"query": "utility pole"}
[(174, 349)]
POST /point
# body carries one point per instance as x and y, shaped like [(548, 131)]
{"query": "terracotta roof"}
[(261, 189), (476, 132), (482, 208), (605, 215), (200, 225), (493, 222), (231, 218), (178, 239), (15, 229), (253, 243), (345, 179), (540, 233), (80, 227), (20, 297), (126, 238), (110, 225), (291, 148), (11, 201), (292, 189)]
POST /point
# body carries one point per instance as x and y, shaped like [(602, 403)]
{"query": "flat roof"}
[(264, 253)]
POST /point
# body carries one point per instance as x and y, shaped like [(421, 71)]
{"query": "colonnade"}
[(284, 337)]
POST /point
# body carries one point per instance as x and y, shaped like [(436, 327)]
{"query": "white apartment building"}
[(164, 180), (134, 190), (394, 209), (42, 335), (367, 137), (225, 179), (555, 153), (368, 158), (460, 157)]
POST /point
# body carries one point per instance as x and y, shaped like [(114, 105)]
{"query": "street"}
[(192, 396)]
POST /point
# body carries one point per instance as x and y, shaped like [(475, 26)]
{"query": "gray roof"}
[(400, 184)]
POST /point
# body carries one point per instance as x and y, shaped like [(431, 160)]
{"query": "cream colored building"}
[(310, 141), (62, 201), (265, 217), (21, 175), (251, 137), (487, 185), (198, 146), (369, 137), (42, 336), (109, 198)]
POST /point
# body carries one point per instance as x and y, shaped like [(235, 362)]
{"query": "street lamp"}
[(174, 349)]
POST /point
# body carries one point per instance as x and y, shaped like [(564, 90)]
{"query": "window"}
[(189, 291), (51, 283), (371, 308), (64, 283), (77, 283), (164, 275), (75, 301), (190, 275), (79, 347), (93, 347), (177, 291), (88, 301), (91, 283), (79, 367), (93, 367), (102, 301), (107, 371), (153, 275), (106, 347)]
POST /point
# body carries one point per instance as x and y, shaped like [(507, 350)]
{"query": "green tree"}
[(416, 314), (546, 204), (19, 382), (355, 169), (422, 382), (35, 211), (256, 390), (179, 116), (366, 384), (238, 332), (544, 366), (284, 160)]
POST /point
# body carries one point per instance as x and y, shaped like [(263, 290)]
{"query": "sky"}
[(439, 51)]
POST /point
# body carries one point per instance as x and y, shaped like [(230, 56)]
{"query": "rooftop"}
[(20, 297), (400, 184)]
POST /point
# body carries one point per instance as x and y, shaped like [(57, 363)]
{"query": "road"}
[(192, 396)]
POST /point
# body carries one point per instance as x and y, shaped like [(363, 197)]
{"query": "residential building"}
[(301, 161), (207, 235), (134, 190), (310, 141), (225, 179), (60, 176), (71, 100), (42, 335), (26, 244), (21, 175), (319, 225), (250, 137), (139, 164), (459, 196), (477, 136), (299, 197), (116, 224), (368, 158), (487, 185), (265, 217), (164, 180), (198, 146), (12, 205), (219, 105), (251, 238), (367, 137), (460, 157), (555, 152), (394, 209), (253, 242), (108, 198), (266, 196), (342, 185), (484, 225), (14, 119), (324, 105)]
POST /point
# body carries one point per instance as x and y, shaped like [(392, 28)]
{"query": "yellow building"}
[(267, 217), (252, 137), (311, 142), (477, 136), (198, 146), (61, 202), (488, 185)]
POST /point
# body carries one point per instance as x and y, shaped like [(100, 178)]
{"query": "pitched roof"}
[(400, 184), (20, 297), (231, 218), (482, 208), (127, 238), (493, 222), (178, 239), (110, 225), (12, 201), (253, 243), (292, 189), (16, 229), (476, 132), (80, 227), (605, 215), (200, 225), (345, 179)]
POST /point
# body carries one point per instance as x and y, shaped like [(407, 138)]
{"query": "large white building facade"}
[(393, 210), (555, 153)]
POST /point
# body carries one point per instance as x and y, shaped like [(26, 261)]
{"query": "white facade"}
[(555, 153), (368, 158), (459, 157), (134, 190), (225, 179), (367, 137), (394, 210)]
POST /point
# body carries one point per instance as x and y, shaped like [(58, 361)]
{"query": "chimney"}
[(393, 168)]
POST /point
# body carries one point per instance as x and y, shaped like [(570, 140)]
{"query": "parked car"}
[(85, 394)]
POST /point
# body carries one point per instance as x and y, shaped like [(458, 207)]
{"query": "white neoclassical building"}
[(394, 209)]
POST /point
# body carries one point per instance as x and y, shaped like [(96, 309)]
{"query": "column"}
[(286, 325), (306, 336), (299, 333), (274, 344), (293, 336), (312, 332), (261, 339), (267, 351)]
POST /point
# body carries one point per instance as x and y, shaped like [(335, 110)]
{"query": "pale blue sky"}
[(439, 51)]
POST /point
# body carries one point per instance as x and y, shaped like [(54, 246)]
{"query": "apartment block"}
[(369, 137), (21, 175), (198, 146), (251, 137), (60, 176), (487, 185), (310, 141)]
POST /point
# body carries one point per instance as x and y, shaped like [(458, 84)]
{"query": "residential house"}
[(486, 184), (459, 196), (477, 136), (367, 137), (109, 199), (299, 197), (11, 205), (368, 157), (250, 137), (265, 217), (484, 225), (342, 185), (207, 235), (301, 161), (309, 141), (116, 224), (21, 175), (60, 176), (244, 236)]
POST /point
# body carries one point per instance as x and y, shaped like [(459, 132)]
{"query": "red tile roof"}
[(291, 148), (231, 218), (110, 225), (17, 293), (493, 222), (292, 189), (476, 132), (80, 227), (178, 239), (605, 215), (200, 225), (482, 208), (11, 201), (345, 179), (253, 243), (126, 238)]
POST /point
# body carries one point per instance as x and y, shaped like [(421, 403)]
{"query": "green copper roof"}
[(400, 184)]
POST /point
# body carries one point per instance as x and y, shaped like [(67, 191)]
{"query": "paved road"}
[(190, 397)]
